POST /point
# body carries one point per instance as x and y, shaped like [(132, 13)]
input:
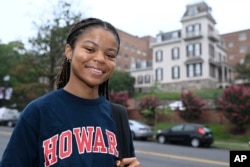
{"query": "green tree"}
[(48, 45), (122, 81), (243, 69), (235, 102), (10, 55)]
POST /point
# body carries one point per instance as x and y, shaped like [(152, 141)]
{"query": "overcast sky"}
[(137, 17)]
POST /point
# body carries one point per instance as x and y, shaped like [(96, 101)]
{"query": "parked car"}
[(188, 133), (177, 105), (8, 117), (140, 130)]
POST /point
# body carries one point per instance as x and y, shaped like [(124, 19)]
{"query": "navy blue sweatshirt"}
[(63, 130)]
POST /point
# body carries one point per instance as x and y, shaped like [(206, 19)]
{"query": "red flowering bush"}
[(235, 102), (150, 104), (119, 98), (193, 106)]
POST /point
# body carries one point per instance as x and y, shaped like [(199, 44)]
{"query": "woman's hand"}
[(130, 162)]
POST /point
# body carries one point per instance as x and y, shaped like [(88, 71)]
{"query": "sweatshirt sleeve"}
[(22, 149)]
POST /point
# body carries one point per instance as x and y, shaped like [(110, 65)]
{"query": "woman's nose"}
[(99, 57)]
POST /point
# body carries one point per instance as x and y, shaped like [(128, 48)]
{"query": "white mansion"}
[(193, 57)]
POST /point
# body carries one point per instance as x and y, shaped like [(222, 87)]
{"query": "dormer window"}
[(192, 10), (159, 38)]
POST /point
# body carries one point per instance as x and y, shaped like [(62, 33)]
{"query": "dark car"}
[(187, 133), (140, 130)]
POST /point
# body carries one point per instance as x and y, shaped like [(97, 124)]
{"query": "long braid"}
[(75, 32), (63, 77)]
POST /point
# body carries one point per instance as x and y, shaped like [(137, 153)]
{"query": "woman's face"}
[(93, 58)]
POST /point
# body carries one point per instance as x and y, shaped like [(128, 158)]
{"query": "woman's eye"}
[(111, 55), (89, 49)]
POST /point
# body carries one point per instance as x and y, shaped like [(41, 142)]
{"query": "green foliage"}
[(25, 93), (48, 45), (193, 106), (147, 113), (150, 104), (10, 55), (169, 95), (208, 93), (121, 81), (243, 69), (235, 102)]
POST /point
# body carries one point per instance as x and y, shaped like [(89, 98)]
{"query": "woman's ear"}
[(68, 51)]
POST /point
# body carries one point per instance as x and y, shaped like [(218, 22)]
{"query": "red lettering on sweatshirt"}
[(65, 144), (88, 139), (84, 139), (49, 149)]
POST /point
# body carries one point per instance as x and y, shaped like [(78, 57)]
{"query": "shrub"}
[(193, 106), (149, 103), (235, 103), (119, 98)]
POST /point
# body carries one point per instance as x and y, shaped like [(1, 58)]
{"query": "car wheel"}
[(195, 142), (161, 139)]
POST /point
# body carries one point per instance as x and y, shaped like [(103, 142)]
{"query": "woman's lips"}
[(96, 71)]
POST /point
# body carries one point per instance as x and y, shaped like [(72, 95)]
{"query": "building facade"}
[(193, 57), (237, 45), (134, 52)]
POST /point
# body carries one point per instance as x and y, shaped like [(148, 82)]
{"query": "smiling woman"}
[(74, 125)]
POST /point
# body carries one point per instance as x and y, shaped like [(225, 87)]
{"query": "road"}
[(154, 154), (151, 153)]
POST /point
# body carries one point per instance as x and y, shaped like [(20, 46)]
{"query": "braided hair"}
[(75, 32)]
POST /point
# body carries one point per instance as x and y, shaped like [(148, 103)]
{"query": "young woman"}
[(73, 126)]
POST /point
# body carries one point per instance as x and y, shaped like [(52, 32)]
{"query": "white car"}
[(177, 105), (140, 130), (8, 116)]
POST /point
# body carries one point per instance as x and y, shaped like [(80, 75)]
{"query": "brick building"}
[(134, 52), (237, 45)]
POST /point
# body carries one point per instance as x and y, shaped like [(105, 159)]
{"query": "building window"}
[(159, 74), (175, 35), (210, 28), (231, 56), (140, 79), (211, 51), (212, 70), (194, 70), (175, 72), (197, 49), (242, 61), (159, 56), (175, 53), (147, 78), (243, 49), (193, 30), (159, 38), (242, 36), (230, 44), (192, 10), (194, 49)]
